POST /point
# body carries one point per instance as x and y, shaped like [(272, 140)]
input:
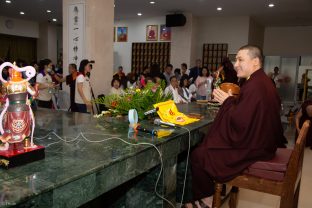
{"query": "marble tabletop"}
[(85, 158)]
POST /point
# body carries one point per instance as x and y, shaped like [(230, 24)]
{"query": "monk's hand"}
[(220, 96)]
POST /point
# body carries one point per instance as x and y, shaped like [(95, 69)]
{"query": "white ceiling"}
[(285, 12)]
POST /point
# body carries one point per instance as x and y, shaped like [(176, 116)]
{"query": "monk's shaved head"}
[(254, 52)]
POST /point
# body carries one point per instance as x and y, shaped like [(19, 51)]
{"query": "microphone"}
[(142, 129), (151, 111), (157, 121)]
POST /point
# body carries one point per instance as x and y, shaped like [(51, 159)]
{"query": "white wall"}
[(42, 48), (52, 43), (288, 41), (136, 33), (47, 42), (182, 42), (59, 33), (231, 30), (194, 41), (19, 27)]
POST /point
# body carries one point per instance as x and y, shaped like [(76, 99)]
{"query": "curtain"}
[(13, 48)]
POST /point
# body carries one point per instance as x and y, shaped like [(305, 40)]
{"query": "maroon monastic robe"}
[(247, 129)]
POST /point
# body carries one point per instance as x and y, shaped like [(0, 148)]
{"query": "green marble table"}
[(76, 170)]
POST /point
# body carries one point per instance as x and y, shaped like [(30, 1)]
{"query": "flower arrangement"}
[(140, 99)]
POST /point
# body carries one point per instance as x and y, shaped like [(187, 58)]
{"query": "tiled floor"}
[(253, 199)]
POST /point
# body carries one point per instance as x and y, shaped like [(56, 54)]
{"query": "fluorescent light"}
[(219, 8), (271, 5), (8, 1), (54, 20), (48, 11), (22, 13), (152, 2), (139, 14)]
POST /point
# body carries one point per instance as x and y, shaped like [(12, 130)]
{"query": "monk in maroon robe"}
[(247, 129)]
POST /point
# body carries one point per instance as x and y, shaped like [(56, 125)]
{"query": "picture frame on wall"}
[(165, 33), (122, 34), (151, 32)]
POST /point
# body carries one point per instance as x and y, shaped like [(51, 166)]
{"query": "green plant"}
[(140, 99)]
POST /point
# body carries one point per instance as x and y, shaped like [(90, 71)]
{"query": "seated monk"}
[(246, 129)]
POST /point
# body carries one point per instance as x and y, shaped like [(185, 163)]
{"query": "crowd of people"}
[(184, 85), (49, 79)]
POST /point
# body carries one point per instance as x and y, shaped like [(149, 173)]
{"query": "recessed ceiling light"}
[(139, 14), (54, 20), (152, 2), (271, 5), (48, 11), (22, 13), (219, 8), (8, 1)]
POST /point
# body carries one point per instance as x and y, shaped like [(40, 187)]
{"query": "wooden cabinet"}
[(146, 54), (213, 54)]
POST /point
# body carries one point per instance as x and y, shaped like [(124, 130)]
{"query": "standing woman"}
[(203, 84), (45, 84), (228, 71), (83, 88)]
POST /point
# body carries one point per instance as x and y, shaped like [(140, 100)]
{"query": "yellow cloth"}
[(164, 132), (168, 112)]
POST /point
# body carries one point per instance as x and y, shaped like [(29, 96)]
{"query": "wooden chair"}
[(280, 176)]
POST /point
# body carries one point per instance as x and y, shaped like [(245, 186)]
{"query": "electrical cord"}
[(81, 134)]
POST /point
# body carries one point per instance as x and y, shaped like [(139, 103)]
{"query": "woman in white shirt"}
[(45, 84), (83, 88)]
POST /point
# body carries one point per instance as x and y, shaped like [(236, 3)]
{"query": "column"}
[(183, 43), (95, 21), (47, 42)]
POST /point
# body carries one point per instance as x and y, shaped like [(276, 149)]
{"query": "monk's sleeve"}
[(240, 118)]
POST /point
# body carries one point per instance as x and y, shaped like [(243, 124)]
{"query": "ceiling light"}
[(8, 1), (48, 11), (152, 2), (139, 14), (219, 8), (22, 13), (271, 5), (54, 20)]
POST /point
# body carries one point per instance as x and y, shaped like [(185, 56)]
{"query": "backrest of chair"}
[(296, 159)]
